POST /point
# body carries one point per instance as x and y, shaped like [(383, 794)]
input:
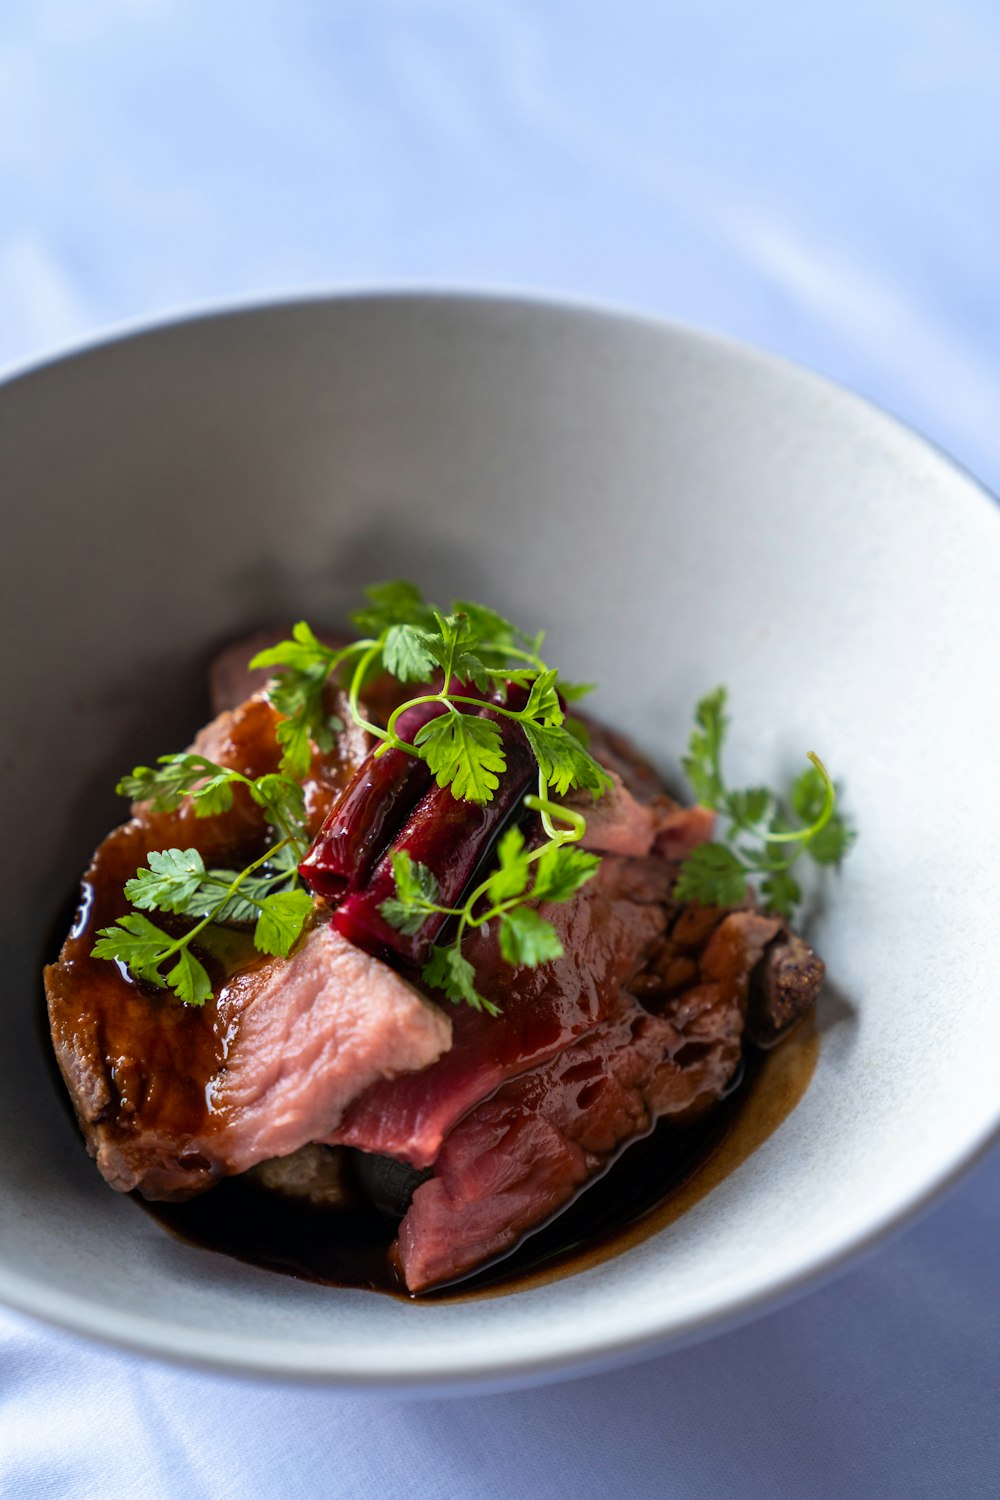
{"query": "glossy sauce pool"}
[(650, 1184)]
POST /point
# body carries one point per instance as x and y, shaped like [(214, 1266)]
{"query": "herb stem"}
[(186, 938), (804, 835), (369, 651)]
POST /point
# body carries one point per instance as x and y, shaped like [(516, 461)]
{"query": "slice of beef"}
[(621, 823), (608, 933), (244, 739), (519, 1156), (172, 1097)]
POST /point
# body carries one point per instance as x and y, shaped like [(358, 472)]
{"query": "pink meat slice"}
[(522, 1154), (169, 1097), (315, 1030), (617, 823), (282, 1050), (608, 932)]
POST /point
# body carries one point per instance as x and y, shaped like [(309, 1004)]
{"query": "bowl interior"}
[(678, 512)]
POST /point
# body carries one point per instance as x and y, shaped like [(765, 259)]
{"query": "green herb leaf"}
[(406, 654), (829, 846), (574, 691), (464, 752), (298, 694), (416, 893), (173, 778), (701, 764), (561, 871), (284, 801), (454, 646), (414, 881), (712, 875), (761, 844), (282, 918), (450, 971), (563, 760), (543, 700), (136, 942), (781, 892), (514, 872), (188, 979), (832, 842), (142, 947), (303, 653), (176, 880), (214, 795), (749, 807), (172, 879), (393, 603), (490, 626), (527, 938)]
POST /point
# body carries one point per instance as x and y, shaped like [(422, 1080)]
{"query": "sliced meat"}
[(243, 739), (171, 1097), (521, 1155), (621, 823), (314, 1031), (682, 829), (608, 933)]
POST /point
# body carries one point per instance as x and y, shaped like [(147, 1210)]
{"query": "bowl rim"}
[(258, 1357)]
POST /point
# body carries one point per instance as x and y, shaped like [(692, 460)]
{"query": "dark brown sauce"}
[(647, 1188), (651, 1183)]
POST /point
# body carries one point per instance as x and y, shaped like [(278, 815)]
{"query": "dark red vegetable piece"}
[(454, 839), (369, 811)]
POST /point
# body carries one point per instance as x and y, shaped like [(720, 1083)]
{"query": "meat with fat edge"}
[(170, 1097)]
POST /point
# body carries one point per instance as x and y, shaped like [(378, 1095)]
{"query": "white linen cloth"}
[(820, 179), (881, 1384)]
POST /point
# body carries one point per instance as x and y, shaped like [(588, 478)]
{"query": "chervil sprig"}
[(463, 655), (414, 641), (761, 841), (210, 788), (298, 693), (553, 872), (177, 881)]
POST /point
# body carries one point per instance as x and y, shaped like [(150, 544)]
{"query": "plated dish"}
[(258, 975), (679, 511)]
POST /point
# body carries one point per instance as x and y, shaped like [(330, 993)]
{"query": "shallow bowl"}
[(678, 511)]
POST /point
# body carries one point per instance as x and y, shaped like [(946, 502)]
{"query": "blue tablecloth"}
[(819, 179)]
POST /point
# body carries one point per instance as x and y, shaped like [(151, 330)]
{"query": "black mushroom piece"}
[(783, 987), (388, 1184)]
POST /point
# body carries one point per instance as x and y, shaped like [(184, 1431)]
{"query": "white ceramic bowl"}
[(679, 511)]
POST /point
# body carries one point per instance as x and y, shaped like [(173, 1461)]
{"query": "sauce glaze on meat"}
[(302, 1076)]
